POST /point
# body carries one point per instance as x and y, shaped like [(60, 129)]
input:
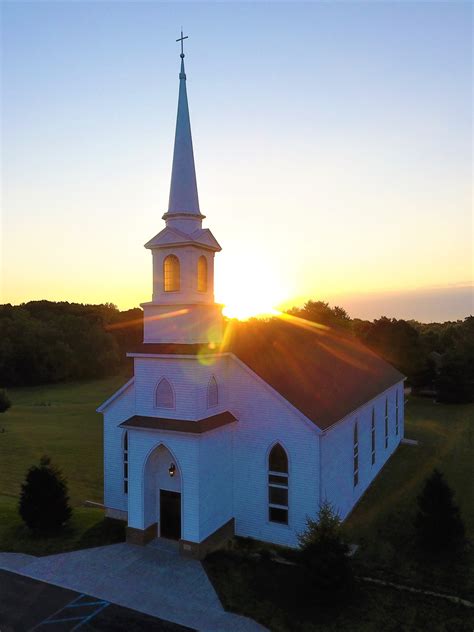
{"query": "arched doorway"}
[(162, 489)]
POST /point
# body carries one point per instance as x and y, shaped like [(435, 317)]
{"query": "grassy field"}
[(446, 436), (382, 523), (268, 592), (60, 421)]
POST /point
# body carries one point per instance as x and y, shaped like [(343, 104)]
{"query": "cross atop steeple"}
[(181, 39)]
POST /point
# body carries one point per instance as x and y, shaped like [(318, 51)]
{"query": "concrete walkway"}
[(154, 580)]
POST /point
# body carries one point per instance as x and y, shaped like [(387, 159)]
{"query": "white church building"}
[(239, 429)]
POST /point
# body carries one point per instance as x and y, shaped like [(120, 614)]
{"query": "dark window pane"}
[(278, 496), (356, 478), (278, 461), (356, 464), (125, 487), (373, 458), (279, 480), (125, 441), (125, 470), (278, 515)]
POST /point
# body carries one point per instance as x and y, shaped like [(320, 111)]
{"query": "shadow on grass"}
[(273, 594), (107, 531)]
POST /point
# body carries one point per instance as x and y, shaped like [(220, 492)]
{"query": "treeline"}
[(437, 358), (43, 341)]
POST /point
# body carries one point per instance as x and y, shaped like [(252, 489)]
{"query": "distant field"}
[(60, 421), (446, 436)]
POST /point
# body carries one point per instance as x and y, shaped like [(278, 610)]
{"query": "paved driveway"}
[(154, 580), (29, 605)]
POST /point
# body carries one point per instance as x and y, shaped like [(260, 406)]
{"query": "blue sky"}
[(332, 141)]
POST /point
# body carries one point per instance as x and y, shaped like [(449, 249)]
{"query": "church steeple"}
[(182, 309), (183, 190)]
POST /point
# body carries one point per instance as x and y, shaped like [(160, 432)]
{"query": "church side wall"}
[(119, 410), (263, 420), (337, 450)]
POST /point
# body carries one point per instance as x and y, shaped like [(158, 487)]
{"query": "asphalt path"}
[(29, 605)]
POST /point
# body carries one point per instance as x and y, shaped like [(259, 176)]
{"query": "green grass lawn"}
[(58, 420), (86, 529), (382, 523), (268, 592), (446, 436)]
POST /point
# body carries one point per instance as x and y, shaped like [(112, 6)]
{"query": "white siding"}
[(337, 451), (119, 410)]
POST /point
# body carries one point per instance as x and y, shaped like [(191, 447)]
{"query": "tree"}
[(5, 402), (320, 312), (44, 501), (438, 522), (325, 558)]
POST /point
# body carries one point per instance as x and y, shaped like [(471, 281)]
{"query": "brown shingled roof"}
[(324, 374)]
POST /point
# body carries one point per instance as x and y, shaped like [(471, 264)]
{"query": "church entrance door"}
[(170, 514)]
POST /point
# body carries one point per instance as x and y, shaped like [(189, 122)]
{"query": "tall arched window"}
[(386, 422), (397, 424), (278, 485), (171, 274), (372, 435), (164, 396), (356, 455), (125, 462), (202, 274), (212, 393)]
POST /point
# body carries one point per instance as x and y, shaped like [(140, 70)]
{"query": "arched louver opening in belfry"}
[(164, 396), (202, 274), (212, 393), (278, 485), (171, 274)]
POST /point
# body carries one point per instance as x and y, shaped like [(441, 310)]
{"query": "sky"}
[(332, 140)]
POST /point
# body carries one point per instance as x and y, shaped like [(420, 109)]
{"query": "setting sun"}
[(250, 290)]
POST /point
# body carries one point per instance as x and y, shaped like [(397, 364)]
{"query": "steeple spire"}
[(183, 191)]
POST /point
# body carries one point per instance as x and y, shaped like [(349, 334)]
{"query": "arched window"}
[(212, 393), (125, 462), (372, 434), (202, 274), (171, 274), (164, 397), (386, 422), (278, 485), (396, 413), (356, 455)]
